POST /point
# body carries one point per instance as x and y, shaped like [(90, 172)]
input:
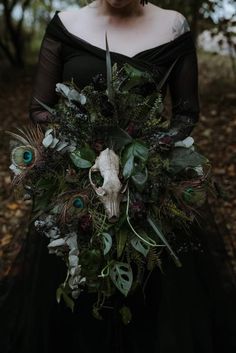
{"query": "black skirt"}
[(181, 310)]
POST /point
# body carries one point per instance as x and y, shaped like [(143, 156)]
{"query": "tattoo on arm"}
[(180, 26)]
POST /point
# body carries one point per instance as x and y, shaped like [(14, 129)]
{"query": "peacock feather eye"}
[(28, 157), (194, 196), (188, 194), (78, 202), (23, 156)]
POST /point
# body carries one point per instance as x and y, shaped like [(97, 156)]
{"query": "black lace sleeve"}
[(48, 73)]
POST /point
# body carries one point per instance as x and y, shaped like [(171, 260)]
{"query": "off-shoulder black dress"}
[(183, 310)]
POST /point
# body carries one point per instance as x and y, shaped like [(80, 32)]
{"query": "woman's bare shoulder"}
[(69, 16), (176, 21)]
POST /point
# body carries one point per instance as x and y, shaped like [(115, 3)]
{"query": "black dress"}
[(183, 310)]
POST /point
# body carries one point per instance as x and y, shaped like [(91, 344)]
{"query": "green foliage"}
[(122, 276)]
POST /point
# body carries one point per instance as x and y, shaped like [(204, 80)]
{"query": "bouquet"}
[(105, 191)]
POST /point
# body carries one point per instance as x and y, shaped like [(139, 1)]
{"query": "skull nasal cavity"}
[(113, 219)]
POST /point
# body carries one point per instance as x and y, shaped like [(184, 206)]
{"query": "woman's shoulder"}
[(70, 16), (174, 21)]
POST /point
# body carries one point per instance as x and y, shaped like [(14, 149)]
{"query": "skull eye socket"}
[(98, 179)]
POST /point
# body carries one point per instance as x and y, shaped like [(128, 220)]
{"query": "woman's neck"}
[(113, 8)]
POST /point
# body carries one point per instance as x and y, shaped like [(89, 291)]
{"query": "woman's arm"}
[(48, 73), (183, 84)]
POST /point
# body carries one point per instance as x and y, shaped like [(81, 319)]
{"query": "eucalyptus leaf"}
[(128, 167), (76, 96), (122, 276), (182, 158), (107, 240), (139, 179), (62, 89)]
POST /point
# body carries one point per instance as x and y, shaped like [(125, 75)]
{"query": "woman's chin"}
[(119, 3)]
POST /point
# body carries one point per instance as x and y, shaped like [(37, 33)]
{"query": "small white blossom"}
[(186, 143), (15, 170)]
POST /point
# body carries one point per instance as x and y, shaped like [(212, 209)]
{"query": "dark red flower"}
[(85, 223), (131, 129), (165, 142), (98, 145), (138, 209)]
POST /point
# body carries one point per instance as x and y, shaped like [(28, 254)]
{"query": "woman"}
[(183, 310)]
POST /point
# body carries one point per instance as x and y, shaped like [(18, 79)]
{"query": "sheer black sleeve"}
[(48, 73), (183, 84)]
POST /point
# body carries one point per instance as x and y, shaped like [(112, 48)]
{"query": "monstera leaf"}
[(122, 276), (140, 246), (107, 240)]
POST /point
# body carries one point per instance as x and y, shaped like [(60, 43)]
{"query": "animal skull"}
[(110, 194)]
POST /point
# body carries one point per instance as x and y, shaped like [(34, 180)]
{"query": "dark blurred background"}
[(213, 24)]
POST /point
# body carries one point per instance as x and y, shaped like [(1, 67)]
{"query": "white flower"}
[(15, 170), (53, 233), (48, 139), (199, 170), (63, 145), (186, 143), (71, 241), (39, 224), (73, 260)]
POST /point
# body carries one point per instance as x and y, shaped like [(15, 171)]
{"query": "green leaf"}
[(46, 107), (78, 161), (96, 314), (121, 238), (136, 149), (139, 179), (139, 245), (109, 73), (107, 240), (59, 294), (162, 237), (122, 276), (69, 302), (128, 167), (133, 150), (118, 138), (135, 77), (87, 153), (182, 158)]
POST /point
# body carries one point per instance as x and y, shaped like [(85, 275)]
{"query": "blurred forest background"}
[(213, 24)]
